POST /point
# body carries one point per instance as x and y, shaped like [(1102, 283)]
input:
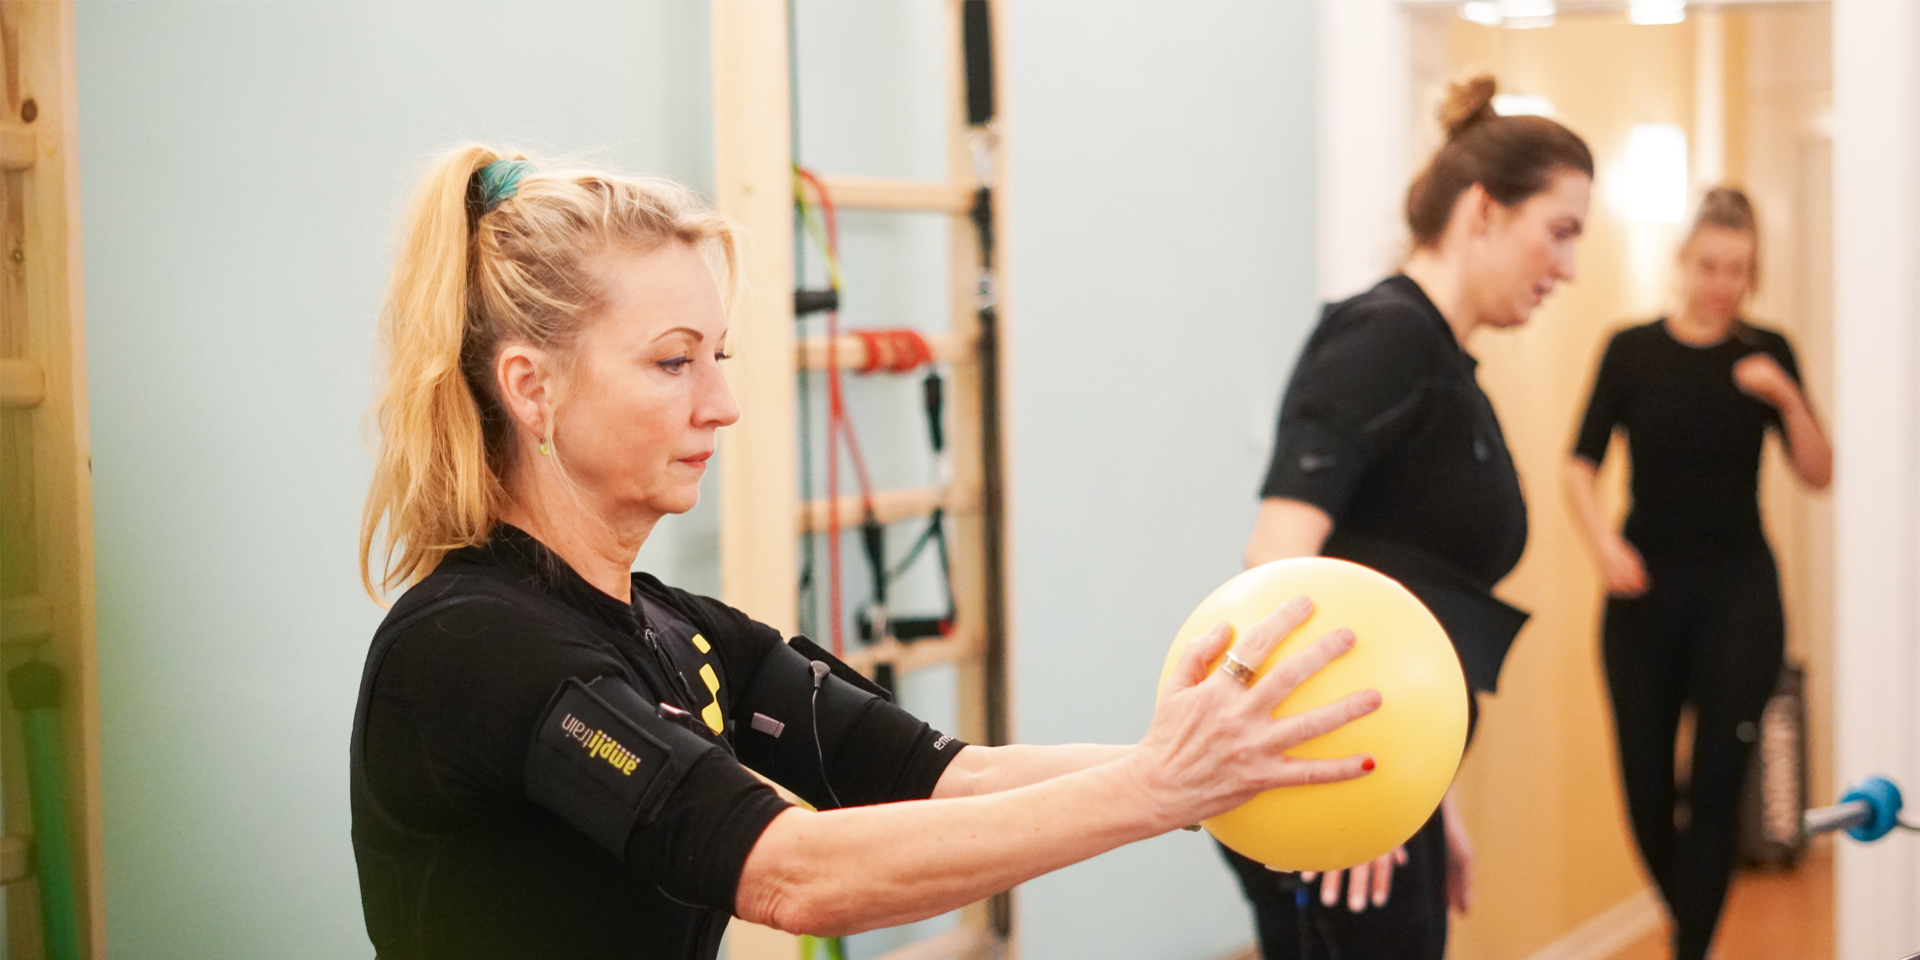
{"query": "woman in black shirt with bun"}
[(1693, 599), (1389, 454)]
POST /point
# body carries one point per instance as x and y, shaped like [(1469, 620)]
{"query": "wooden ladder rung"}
[(962, 643), (16, 858), (876, 193), (18, 146), (25, 620), (959, 943), (888, 506), (852, 352), (22, 383)]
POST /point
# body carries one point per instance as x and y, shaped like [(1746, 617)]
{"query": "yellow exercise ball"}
[(1416, 737)]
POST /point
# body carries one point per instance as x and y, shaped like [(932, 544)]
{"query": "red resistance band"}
[(895, 351)]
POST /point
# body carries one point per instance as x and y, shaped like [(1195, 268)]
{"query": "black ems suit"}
[(542, 771)]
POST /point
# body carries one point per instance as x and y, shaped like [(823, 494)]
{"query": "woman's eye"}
[(674, 364), (719, 355)]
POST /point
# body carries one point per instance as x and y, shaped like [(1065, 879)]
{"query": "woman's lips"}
[(697, 460)]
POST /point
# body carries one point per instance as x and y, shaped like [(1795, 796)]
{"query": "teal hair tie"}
[(500, 180)]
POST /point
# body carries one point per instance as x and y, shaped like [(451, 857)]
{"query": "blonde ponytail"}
[(468, 279)]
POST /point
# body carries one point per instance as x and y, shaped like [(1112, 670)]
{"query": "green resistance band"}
[(810, 947), (36, 694)]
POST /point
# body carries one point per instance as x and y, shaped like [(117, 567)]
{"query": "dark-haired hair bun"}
[(1468, 102)]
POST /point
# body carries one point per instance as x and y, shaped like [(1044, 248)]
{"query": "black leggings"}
[(1710, 633), (1411, 926)]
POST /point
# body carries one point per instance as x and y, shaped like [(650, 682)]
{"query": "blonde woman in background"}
[(1693, 611), (551, 753)]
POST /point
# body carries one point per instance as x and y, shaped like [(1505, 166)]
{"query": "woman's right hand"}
[(1620, 565), (1214, 744)]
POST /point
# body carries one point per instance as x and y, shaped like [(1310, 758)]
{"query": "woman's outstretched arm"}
[(1213, 745)]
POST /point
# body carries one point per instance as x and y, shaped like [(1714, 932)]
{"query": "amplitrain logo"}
[(600, 745)]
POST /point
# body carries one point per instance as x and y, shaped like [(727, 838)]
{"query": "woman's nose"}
[(715, 405)]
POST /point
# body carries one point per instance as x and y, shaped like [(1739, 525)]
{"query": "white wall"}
[(241, 169), (1160, 277), (1876, 148)]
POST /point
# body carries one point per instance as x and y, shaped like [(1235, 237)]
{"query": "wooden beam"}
[(25, 620), (889, 506), (852, 351), (18, 146), (874, 193), (962, 643), (23, 383), (753, 184)]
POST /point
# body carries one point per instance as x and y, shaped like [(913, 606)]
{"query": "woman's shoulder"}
[(1396, 299), (1392, 318), (457, 622), (1763, 336), (737, 635), (1640, 332)]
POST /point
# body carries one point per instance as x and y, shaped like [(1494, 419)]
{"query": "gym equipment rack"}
[(761, 517)]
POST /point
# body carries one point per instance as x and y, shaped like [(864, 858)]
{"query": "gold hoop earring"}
[(543, 449)]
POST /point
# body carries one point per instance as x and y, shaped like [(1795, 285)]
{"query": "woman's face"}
[(1716, 272), (1521, 252), (637, 422)]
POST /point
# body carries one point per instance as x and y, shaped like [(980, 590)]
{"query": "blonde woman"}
[(551, 754), (1693, 599)]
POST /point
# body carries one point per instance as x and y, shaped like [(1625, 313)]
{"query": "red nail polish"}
[(1367, 764)]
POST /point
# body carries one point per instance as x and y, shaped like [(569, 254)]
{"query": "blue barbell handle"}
[(1869, 810)]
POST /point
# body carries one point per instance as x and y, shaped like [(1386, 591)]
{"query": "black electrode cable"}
[(820, 671)]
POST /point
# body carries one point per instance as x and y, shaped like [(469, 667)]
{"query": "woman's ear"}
[(525, 380), (1478, 206)]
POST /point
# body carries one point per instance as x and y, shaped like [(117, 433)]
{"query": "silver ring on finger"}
[(1239, 671)]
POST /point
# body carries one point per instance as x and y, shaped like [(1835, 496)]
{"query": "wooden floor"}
[(1770, 915)]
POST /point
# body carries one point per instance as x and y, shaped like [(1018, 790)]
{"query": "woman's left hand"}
[(1370, 882), (1760, 376), (1459, 859)]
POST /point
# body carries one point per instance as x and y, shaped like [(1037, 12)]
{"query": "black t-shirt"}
[(540, 770), (1694, 437), (1385, 428)]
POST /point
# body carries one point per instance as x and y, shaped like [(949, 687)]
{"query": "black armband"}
[(605, 760), (841, 730)]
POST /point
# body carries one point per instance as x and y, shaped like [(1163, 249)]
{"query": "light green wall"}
[(242, 165), (1161, 277)]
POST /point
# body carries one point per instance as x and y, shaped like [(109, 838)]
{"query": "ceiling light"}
[(1513, 14), (1650, 185), (1528, 14), (1648, 12), (1485, 14), (1522, 104)]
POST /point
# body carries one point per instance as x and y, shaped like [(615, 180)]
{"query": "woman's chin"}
[(681, 503)]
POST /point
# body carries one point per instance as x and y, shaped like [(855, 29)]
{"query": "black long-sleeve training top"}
[(1385, 428), (540, 770), (1693, 436)]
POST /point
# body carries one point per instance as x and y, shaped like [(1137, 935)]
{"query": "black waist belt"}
[(1481, 625)]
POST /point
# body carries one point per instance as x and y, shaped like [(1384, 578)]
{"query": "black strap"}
[(1481, 625)]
